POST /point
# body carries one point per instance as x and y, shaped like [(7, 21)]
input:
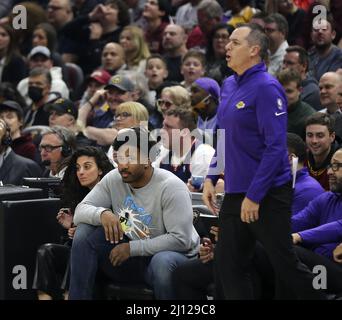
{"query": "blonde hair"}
[(142, 50), (138, 111), (179, 96)]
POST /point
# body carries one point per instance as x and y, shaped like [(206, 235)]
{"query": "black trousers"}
[(52, 269), (234, 251)]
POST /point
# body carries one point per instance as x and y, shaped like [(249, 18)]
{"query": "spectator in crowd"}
[(96, 81), (135, 48), (13, 168), (93, 31), (306, 188), (205, 98), (209, 14), (64, 113), (174, 49), (254, 187), (56, 146), (156, 72), (86, 167), (295, 18), (186, 15), (296, 58), (39, 87), (193, 67), (40, 57), (173, 97), (216, 64), (277, 29), (118, 90), (328, 90), (155, 18), (325, 56), (183, 152), (298, 111), (113, 58), (158, 233), (129, 114), (322, 144), (12, 113), (59, 14), (44, 34), (12, 65)]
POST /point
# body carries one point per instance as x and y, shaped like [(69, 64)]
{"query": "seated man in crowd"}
[(104, 103), (322, 143), (306, 188), (205, 98), (56, 145), (297, 110), (13, 168), (63, 112), (182, 151), (135, 224), (40, 56)]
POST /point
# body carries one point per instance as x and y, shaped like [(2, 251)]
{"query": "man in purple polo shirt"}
[(258, 195)]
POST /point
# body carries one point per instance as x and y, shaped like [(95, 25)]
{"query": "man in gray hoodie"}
[(135, 224)]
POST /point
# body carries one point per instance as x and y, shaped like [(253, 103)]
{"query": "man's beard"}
[(337, 186), (323, 46)]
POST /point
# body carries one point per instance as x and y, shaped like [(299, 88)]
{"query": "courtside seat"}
[(115, 291)]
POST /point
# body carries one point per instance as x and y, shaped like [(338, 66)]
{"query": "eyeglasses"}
[(335, 166), (123, 115), (48, 148), (161, 102)]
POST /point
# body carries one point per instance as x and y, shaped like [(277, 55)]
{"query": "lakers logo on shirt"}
[(240, 105), (280, 104)]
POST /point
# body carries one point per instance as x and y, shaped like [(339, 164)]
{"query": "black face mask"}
[(35, 93)]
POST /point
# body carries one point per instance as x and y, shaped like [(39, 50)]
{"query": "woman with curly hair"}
[(86, 168)]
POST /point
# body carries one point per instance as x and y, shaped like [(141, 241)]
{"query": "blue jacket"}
[(253, 113), (306, 189), (320, 223)]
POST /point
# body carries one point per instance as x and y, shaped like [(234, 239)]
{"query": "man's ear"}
[(332, 137), (255, 50)]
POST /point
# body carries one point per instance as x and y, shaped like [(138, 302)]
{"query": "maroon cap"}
[(101, 76)]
